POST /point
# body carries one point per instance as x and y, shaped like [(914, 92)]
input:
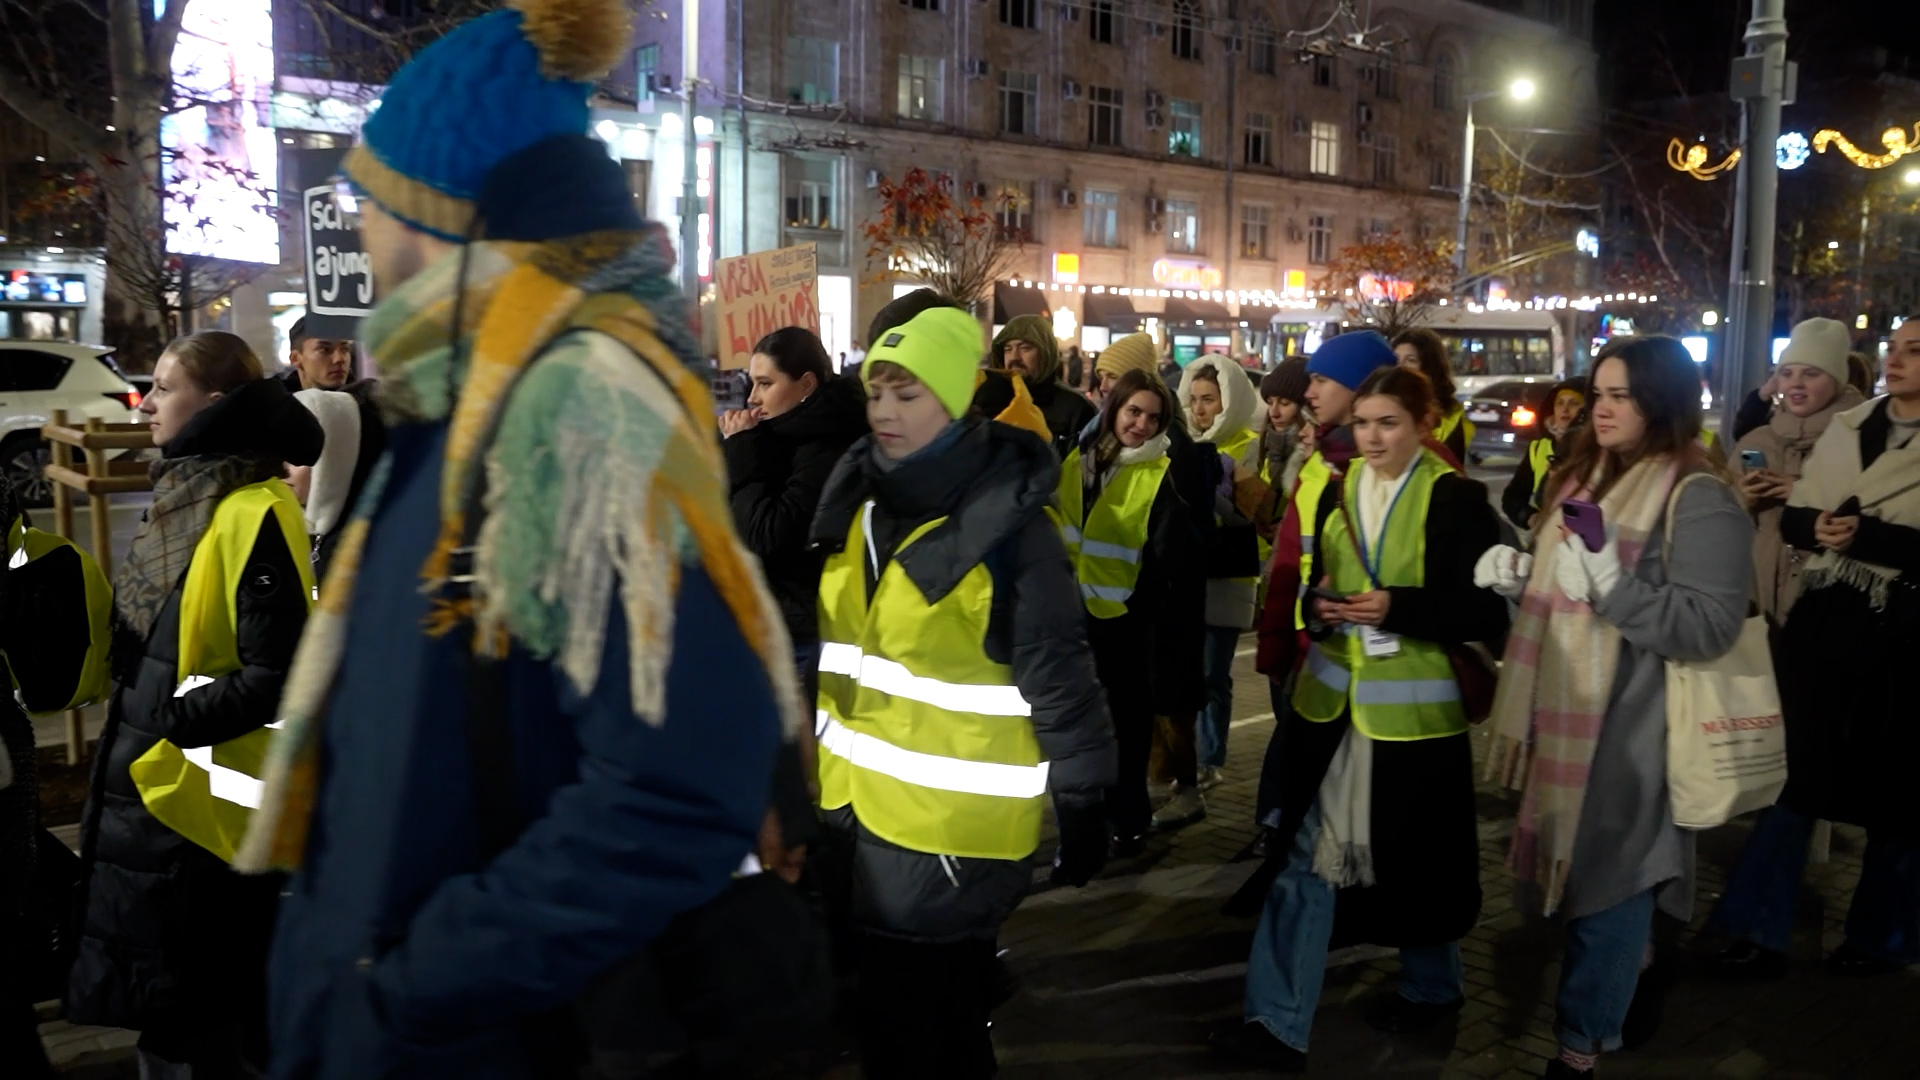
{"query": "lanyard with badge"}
[(1376, 642)]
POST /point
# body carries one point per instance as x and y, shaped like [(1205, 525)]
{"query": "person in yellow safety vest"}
[(1378, 811), (1566, 411), (1422, 350), (209, 604), (1221, 404), (957, 693), (1135, 552)]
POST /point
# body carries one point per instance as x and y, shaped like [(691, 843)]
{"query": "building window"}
[(1102, 23), (1255, 227), (1320, 239), (1102, 210), (1386, 159), (646, 66), (813, 70), (1183, 138), (810, 194), (1257, 147), (921, 5), (1013, 210), (1443, 93), (1019, 13), (1183, 226), (1323, 70), (1440, 173), (1019, 102), (1261, 47), (1386, 78), (1325, 159), (1104, 116), (1186, 30), (920, 85)]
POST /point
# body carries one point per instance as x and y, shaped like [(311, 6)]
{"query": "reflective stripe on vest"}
[(207, 794), (1107, 555), (923, 734), (1411, 694), (1314, 476)]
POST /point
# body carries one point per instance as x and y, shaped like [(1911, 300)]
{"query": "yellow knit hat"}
[(942, 348), (1135, 352)]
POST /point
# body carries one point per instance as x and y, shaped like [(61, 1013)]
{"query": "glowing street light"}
[(1521, 89)]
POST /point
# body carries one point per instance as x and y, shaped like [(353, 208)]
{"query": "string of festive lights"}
[(1894, 138), (1313, 299), (1692, 160), (1793, 150)]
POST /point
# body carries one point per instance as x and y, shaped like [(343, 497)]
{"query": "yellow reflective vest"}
[(1108, 540), (93, 679), (1540, 459), (208, 793), (1411, 694), (925, 737), (1454, 420), (1315, 475)]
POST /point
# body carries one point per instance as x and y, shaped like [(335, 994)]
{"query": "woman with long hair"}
[(1377, 798), (207, 608), (1580, 718), (1422, 350), (1134, 547)]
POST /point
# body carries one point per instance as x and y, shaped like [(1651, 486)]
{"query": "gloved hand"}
[(1084, 837), (1504, 570), (1587, 577)]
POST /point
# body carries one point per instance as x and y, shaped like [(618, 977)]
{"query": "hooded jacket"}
[(775, 473), (993, 484), (172, 938), (1232, 554), (1067, 411)]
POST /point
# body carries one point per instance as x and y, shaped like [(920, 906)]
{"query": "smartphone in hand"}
[(1584, 520), (1753, 460)]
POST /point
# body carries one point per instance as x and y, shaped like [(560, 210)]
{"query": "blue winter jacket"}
[(400, 951)]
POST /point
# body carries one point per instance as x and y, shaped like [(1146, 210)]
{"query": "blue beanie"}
[(487, 91), (1351, 357)]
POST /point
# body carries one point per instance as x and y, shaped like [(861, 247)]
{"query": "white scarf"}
[(1889, 490)]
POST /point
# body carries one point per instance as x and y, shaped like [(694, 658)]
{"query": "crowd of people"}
[(517, 714)]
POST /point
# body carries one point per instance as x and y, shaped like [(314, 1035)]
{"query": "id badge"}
[(1378, 642)]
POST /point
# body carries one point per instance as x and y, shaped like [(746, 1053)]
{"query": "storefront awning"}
[(1010, 302), (1182, 310), (1257, 316), (1110, 310)]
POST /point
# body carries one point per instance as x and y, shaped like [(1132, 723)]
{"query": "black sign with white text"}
[(339, 276)]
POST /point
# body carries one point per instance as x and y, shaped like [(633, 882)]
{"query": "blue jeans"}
[(1599, 969), (1883, 921), (1289, 959), (1216, 665)]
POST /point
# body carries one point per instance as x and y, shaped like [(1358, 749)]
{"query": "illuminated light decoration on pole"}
[(1692, 160), (1791, 151), (1587, 242), (1895, 140)]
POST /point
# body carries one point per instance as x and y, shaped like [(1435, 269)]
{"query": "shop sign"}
[(339, 272), (762, 292), (1378, 287), (1187, 274), (29, 287), (1066, 268), (1296, 283)]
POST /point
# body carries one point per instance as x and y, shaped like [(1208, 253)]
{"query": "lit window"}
[(1325, 158)]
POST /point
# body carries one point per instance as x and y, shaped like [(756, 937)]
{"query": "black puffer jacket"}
[(1068, 413), (776, 470), (992, 484), (174, 942)]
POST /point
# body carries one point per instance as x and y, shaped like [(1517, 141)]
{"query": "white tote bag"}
[(1726, 741)]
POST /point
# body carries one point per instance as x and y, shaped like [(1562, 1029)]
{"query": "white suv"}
[(37, 377)]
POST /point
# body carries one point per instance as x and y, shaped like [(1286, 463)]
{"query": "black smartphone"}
[(1328, 595)]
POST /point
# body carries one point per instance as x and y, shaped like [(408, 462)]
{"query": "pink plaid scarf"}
[(1555, 683)]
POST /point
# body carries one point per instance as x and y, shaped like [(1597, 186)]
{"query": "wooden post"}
[(63, 525), (97, 500)]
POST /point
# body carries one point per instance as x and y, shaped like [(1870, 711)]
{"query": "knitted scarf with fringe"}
[(1556, 682), (629, 488)]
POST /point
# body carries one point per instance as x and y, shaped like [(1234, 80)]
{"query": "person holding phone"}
[(1854, 517), (1580, 718), (1812, 379), (1520, 500), (1377, 803)]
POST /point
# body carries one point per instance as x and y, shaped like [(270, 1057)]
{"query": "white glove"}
[(1587, 577), (1504, 570)]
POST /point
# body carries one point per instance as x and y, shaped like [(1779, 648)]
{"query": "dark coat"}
[(173, 940), (776, 470), (1151, 656), (1068, 413), (1426, 847), (992, 483), (1851, 740), (1516, 500)]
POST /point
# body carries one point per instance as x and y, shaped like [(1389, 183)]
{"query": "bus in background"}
[(1500, 347)]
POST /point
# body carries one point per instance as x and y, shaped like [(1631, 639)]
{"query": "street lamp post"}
[(1519, 90)]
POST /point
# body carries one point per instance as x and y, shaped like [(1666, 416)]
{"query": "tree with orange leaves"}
[(957, 245), (1390, 280)]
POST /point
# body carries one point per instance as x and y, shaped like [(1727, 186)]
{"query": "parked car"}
[(37, 377), (1506, 416)]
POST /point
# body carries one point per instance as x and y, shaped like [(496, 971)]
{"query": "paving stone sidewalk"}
[(1124, 978)]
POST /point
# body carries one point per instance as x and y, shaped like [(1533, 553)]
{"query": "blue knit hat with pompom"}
[(485, 92)]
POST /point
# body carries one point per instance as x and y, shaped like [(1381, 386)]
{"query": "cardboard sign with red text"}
[(760, 293)]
